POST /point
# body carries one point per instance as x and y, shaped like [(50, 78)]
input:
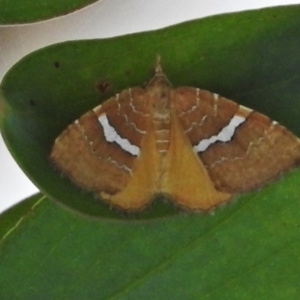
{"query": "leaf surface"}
[(251, 57), (249, 250)]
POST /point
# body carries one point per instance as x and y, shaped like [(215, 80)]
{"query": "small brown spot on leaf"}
[(102, 86), (56, 64), (31, 102)]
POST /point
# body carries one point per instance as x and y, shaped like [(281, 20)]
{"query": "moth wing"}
[(101, 151), (240, 148), (185, 178)]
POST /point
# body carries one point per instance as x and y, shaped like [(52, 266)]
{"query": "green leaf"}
[(14, 216), (27, 11), (247, 250), (251, 57)]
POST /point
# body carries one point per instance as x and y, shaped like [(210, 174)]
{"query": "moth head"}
[(158, 99)]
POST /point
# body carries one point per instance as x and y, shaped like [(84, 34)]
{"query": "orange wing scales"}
[(197, 148), (185, 179)]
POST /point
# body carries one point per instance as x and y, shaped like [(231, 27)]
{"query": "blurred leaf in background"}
[(27, 11)]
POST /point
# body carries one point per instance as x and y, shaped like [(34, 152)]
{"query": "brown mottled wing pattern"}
[(80, 148), (192, 145), (255, 151)]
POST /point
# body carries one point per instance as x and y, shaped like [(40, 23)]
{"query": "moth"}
[(195, 147)]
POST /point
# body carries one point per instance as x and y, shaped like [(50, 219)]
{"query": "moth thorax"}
[(161, 109), (159, 97)]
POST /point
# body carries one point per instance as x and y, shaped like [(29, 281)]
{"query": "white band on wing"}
[(112, 136), (224, 135)]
